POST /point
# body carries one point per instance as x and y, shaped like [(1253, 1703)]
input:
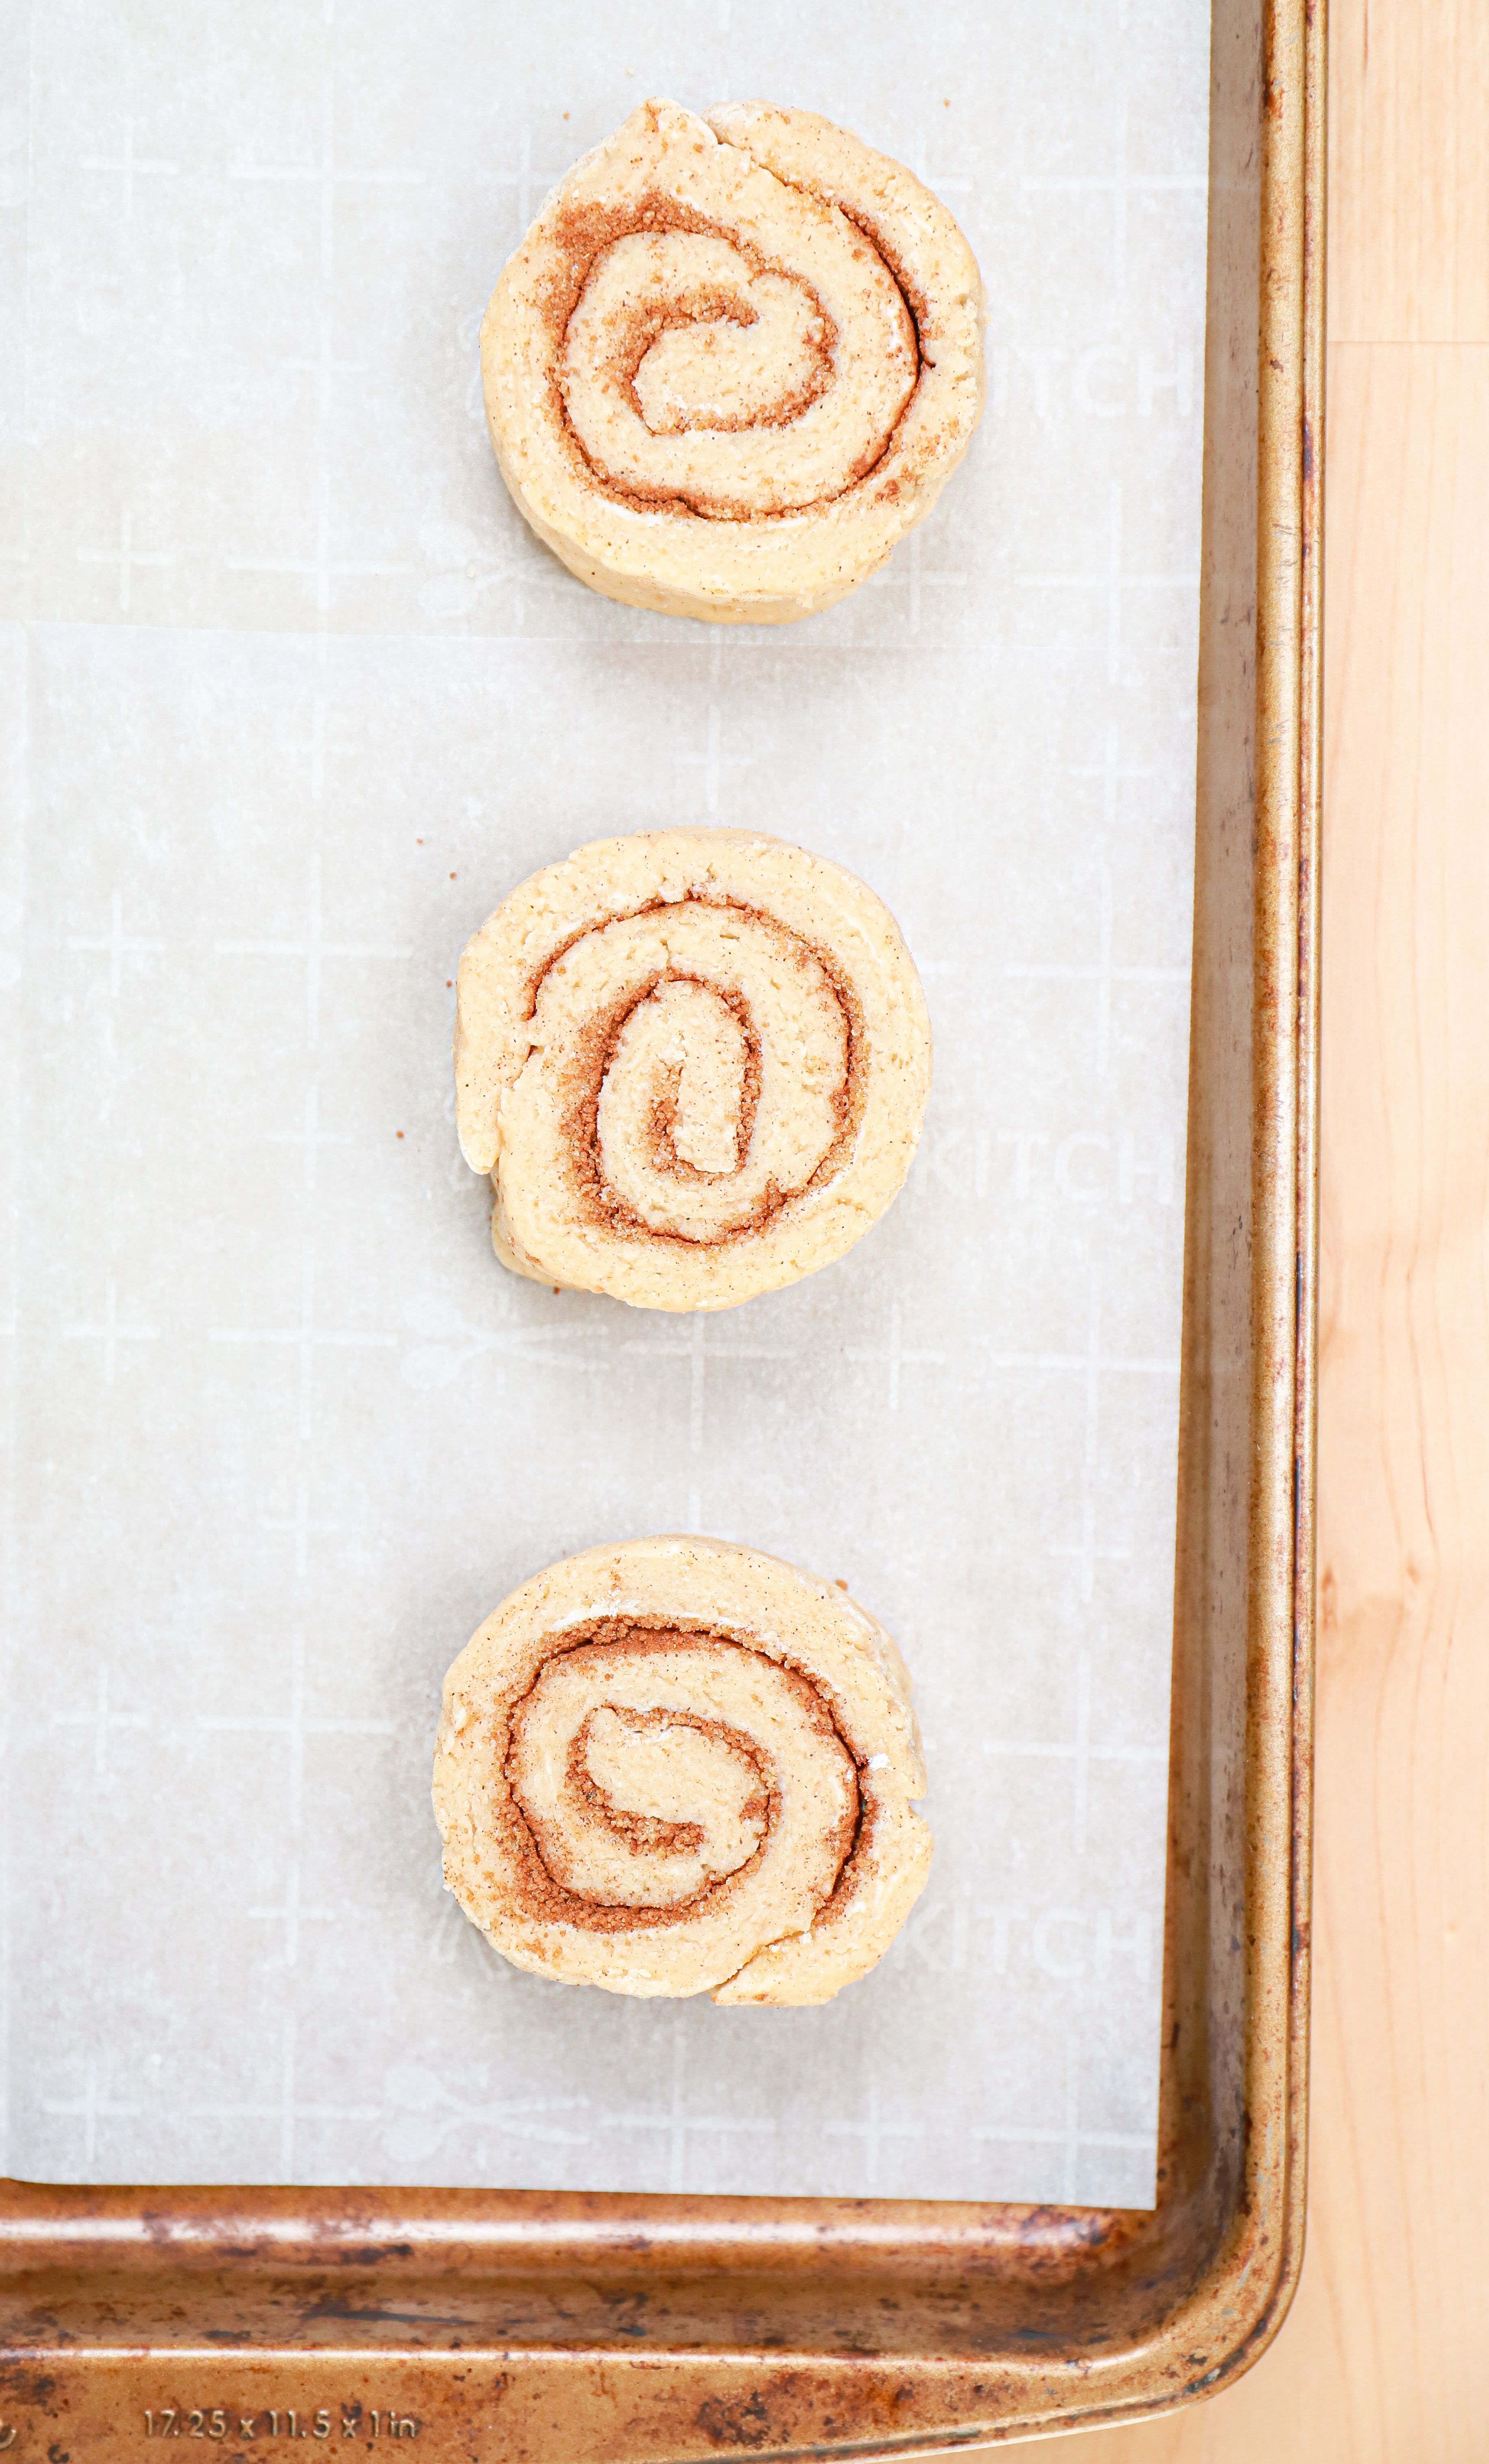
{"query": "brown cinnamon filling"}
[(584, 232), (593, 1194), (536, 1892), (851, 1872)]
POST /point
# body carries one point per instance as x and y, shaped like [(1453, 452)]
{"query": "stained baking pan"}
[(541, 2325)]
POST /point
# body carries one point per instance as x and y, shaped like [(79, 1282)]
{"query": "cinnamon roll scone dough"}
[(735, 358), (675, 1765), (695, 1064)]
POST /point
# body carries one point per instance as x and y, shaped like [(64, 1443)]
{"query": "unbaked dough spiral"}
[(695, 1064), (735, 358), (676, 1766)]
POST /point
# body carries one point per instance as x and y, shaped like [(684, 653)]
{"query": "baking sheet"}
[(290, 698)]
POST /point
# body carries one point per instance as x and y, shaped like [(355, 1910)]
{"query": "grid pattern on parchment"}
[(290, 700)]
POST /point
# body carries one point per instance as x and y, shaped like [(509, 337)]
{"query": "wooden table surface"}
[(1385, 2356)]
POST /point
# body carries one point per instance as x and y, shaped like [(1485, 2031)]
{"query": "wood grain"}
[(1408, 102), (1384, 2357)]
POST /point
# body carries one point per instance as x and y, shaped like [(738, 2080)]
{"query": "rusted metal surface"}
[(561, 2329)]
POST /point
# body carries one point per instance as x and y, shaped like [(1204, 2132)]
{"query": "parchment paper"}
[(291, 699)]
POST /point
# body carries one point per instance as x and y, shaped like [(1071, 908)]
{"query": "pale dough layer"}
[(676, 1766), (695, 1064), (735, 358)]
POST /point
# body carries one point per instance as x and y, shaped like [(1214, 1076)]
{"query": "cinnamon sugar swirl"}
[(675, 1766), (735, 358), (695, 1064)]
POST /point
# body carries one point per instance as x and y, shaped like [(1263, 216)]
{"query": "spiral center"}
[(708, 1064), (681, 1090), (749, 355), (736, 377), (654, 1770), (634, 1769)]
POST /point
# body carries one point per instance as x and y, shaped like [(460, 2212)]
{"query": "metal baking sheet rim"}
[(627, 2330)]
